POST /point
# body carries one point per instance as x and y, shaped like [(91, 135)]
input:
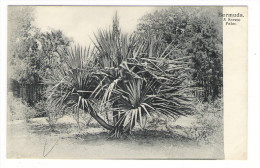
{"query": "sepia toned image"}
[(124, 82)]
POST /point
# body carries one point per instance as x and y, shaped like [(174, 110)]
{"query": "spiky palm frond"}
[(113, 50), (136, 98), (134, 74), (73, 84), (148, 82)]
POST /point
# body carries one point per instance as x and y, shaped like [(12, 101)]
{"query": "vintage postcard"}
[(127, 82)]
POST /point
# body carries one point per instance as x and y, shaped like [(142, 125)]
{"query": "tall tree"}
[(32, 55), (195, 32), (21, 43)]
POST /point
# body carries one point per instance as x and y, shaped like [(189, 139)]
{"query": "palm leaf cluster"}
[(134, 74), (147, 82)]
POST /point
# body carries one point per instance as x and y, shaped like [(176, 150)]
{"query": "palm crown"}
[(134, 74)]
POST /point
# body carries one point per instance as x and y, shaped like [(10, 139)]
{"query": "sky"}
[(81, 22)]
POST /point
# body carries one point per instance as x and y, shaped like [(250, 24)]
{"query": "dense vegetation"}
[(124, 79), (32, 53), (195, 32)]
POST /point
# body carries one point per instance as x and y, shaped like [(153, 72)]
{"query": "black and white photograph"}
[(115, 82)]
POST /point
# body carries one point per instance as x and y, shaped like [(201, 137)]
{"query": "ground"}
[(34, 139)]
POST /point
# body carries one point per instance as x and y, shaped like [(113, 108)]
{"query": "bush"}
[(18, 109), (52, 112), (206, 126), (40, 107)]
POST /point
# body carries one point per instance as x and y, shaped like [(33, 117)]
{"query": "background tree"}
[(21, 44), (32, 54), (195, 32)]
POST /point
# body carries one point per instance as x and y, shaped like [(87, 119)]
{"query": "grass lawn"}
[(35, 140)]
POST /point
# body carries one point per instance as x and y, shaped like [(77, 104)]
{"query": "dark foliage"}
[(195, 32)]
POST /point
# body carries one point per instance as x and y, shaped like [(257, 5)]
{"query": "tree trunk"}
[(115, 117), (129, 127), (100, 120), (117, 130)]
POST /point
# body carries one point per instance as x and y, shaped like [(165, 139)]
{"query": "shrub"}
[(53, 114), (40, 107), (49, 110), (206, 126), (19, 110), (210, 121)]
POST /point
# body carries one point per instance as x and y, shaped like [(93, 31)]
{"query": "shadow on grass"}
[(96, 136), (144, 137), (44, 129)]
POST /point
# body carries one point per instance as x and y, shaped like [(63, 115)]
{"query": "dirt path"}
[(28, 140)]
